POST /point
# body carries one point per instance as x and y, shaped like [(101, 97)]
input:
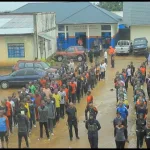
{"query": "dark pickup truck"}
[(140, 46)]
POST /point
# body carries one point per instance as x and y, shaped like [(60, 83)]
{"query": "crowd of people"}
[(137, 79), (47, 100)]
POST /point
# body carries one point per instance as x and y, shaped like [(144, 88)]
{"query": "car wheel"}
[(80, 58), (59, 58), (4, 85)]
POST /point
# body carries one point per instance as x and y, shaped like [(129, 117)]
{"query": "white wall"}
[(94, 29), (46, 23), (140, 31)]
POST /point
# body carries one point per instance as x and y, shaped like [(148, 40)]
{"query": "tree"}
[(111, 6)]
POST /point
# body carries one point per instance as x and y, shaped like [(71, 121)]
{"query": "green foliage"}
[(111, 6)]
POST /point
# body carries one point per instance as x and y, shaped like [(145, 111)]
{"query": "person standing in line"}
[(43, 119), (93, 126), (47, 91), (148, 86), (32, 87), (132, 69), (120, 137), (72, 120), (147, 134), (91, 55), (73, 91), (23, 127), (105, 56), (104, 66), (62, 102), (51, 113), (92, 111), (57, 98), (9, 113), (140, 127), (4, 128), (113, 61), (129, 74)]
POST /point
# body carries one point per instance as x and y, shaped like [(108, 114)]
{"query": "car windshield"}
[(140, 41), (45, 65)]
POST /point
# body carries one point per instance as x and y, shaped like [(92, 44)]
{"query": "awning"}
[(46, 36)]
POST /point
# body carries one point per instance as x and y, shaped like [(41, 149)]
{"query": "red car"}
[(73, 52), (21, 64)]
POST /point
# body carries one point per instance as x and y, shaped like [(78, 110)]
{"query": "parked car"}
[(140, 45), (73, 52), (21, 77), (123, 47), (21, 64)]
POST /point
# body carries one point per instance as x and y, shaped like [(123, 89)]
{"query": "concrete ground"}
[(104, 100)]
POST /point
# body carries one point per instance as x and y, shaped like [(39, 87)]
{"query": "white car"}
[(123, 47)]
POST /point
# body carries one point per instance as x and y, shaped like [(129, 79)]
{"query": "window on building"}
[(61, 28), (105, 27), (16, 50), (66, 28)]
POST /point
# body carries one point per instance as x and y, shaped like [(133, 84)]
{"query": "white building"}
[(26, 36), (136, 16), (78, 20)]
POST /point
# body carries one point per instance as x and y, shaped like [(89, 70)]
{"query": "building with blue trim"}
[(77, 20)]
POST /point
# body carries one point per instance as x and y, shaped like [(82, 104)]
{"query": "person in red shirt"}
[(89, 98), (43, 82), (38, 99), (73, 91), (8, 113)]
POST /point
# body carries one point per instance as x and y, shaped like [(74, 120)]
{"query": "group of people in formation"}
[(137, 79), (46, 101)]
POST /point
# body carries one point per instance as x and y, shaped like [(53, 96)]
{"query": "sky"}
[(10, 6)]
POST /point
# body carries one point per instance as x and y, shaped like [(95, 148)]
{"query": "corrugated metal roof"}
[(96, 15), (16, 24), (136, 13), (16, 31), (62, 9), (65, 10)]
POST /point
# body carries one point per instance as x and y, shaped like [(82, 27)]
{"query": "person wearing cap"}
[(92, 111), (93, 126), (72, 120)]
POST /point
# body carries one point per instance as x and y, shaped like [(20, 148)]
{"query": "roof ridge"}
[(101, 9), (74, 13)]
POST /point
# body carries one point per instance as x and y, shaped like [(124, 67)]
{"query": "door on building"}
[(80, 38), (106, 39)]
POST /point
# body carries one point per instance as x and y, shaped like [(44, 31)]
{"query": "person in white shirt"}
[(104, 65), (128, 73), (102, 69), (62, 102), (105, 56), (71, 65)]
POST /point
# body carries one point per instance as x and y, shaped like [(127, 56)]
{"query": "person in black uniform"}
[(147, 135), (140, 127), (93, 126), (92, 111), (78, 89), (72, 120)]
